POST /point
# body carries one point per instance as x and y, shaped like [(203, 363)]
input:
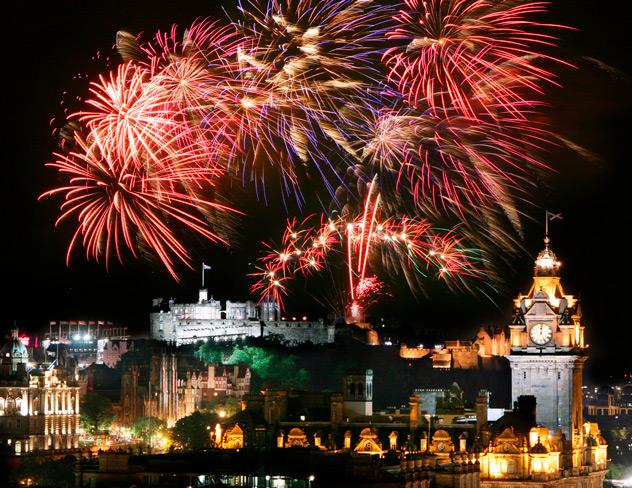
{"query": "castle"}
[(186, 323)]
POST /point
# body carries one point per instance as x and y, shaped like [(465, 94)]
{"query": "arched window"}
[(18, 447)]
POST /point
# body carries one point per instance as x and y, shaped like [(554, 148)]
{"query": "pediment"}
[(368, 446)]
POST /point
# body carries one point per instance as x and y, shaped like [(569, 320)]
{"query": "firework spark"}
[(119, 205), (474, 56), (307, 248)]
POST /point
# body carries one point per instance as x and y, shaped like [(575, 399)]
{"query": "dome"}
[(539, 448), (441, 435), (15, 349), (368, 432)]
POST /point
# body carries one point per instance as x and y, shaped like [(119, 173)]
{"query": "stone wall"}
[(298, 332)]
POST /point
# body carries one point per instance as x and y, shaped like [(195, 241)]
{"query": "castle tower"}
[(357, 391), (548, 351), (269, 311)]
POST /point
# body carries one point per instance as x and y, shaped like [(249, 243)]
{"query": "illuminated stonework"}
[(186, 323), (39, 410), (544, 440)]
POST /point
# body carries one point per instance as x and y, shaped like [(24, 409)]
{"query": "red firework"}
[(129, 119), (411, 242), (120, 205), (475, 56)]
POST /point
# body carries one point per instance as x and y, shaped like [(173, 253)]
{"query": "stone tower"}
[(357, 391), (548, 351), (269, 311)]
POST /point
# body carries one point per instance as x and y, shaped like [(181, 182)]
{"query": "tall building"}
[(548, 350), (186, 323), (169, 385), (545, 440)]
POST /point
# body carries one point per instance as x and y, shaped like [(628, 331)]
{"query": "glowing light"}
[(413, 248)]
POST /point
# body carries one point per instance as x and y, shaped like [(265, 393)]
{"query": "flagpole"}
[(202, 274)]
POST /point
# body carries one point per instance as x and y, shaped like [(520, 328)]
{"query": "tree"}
[(147, 428), (224, 407), (270, 367), (96, 413), (57, 473), (214, 352), (194, 431)]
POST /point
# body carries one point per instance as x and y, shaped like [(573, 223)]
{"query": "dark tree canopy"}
[(269, 366), (193, 432), (146, 428), (96, 413)]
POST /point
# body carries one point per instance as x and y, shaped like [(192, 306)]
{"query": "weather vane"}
[(548, 217)]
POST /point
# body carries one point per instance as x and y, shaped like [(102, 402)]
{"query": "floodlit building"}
[(168, 386), (544, 441), (88, 341), (186, 323), (39, 406)]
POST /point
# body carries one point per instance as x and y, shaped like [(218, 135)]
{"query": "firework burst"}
[(474, 56), (305, 61), (406, 243), (119, 205), (453, 163)]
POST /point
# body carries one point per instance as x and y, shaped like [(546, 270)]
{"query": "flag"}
[(205, 267), (554, 216)]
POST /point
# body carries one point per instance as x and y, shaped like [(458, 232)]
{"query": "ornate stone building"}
[(185, 323), (547, 444), (39, 407), (170, 388)]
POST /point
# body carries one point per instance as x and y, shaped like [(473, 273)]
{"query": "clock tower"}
[(548, 351)]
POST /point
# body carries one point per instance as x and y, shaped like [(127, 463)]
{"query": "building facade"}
[(170, 389), (39, 406), (545, 440), (186, 323)]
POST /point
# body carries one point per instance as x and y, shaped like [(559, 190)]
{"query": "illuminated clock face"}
[(541, 334)]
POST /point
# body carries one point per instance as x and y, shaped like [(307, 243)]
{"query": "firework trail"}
[(477, 57), (119, 206), (449, 121), (407, 243), (306, 60)]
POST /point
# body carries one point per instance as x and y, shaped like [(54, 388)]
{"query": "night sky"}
[(46, 45)]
